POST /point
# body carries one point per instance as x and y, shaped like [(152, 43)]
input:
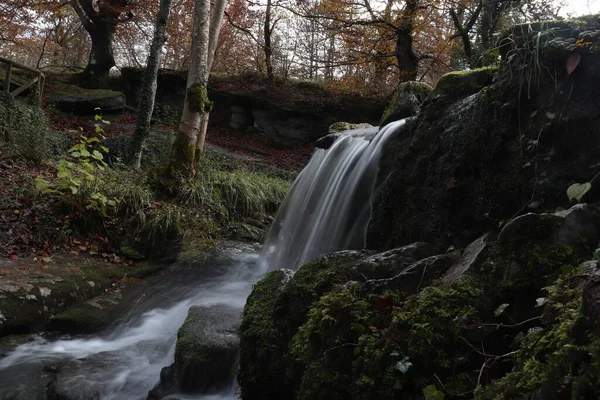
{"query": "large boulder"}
[(206, 353), (493, 143), (75, 100), (414, 320)]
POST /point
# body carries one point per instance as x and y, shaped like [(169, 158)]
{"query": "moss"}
[(561, 360), (61, 90), (463, 83), (262, 371), (420, 90), (197, 96)]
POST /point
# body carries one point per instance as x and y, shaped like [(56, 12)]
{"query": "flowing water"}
[(329, 205), (327, 209)]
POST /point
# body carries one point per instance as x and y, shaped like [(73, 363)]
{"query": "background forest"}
[(362, 45)]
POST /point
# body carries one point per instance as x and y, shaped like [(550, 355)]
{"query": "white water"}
[(327, 209), (329, 205), (125, 363)]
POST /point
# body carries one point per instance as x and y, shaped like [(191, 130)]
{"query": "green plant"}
[(81, 173)]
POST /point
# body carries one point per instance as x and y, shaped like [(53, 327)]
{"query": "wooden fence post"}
[(9, 68)]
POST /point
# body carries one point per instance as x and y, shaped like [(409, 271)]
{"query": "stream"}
[(326, 210), (125, 361)]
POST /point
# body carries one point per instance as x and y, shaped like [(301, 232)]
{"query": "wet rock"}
[(591, 300), (326, 141), (573, 227), (412, 278), (206, 353), (346, 126), (30, 292), (261, 367), (462, 165), (578, 226), (247, 232), (406, 101)]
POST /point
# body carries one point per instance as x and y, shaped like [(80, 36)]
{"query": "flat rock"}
[(78, 101)]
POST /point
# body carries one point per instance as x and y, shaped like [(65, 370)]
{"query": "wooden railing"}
[(39, 78)]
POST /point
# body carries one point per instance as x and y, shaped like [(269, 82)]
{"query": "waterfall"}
[(329, 204), (327, 209)]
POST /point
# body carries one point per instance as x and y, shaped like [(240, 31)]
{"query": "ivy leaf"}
[(432, 393), (578, 190), (566, 269), (501, 308), (97, 155), (403, 365), (540, 301)]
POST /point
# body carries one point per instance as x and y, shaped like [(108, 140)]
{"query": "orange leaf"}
[(573, 62)]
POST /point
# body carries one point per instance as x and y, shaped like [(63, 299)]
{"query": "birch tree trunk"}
[(183, 153), (146, 107), (216, 20)]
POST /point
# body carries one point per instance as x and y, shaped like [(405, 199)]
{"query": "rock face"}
[(510, 316), (284, 120), (205, 355), (492, 143)]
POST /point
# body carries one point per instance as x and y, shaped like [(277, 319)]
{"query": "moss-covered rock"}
[(79, 101), (490, 145), (459, 324), (346, 126), (31, 293), (205, 354), (262, 371), (464, 83), (406, 101)]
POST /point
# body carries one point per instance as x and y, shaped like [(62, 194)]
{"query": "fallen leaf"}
[(23, 268), (3, 272), (573, 62), (74, 268), (451, 183), (14, 258)]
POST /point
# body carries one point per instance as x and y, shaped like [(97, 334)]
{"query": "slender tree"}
[(190, 139), (149, 85)]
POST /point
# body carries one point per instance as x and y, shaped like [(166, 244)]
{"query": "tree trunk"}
[(101, 58), (216, 20), (149, 85), (267, 37), (408, 62), (183, 153)]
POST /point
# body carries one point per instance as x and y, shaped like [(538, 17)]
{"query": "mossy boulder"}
[(262, 370), (406, 101), (464, 83), (346, 126), (32, 292), (490, 144), (79, 101), (477, 323), (205, 354)]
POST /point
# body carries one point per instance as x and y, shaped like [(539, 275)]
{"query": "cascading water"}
[(329, 205), (326, 210)]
